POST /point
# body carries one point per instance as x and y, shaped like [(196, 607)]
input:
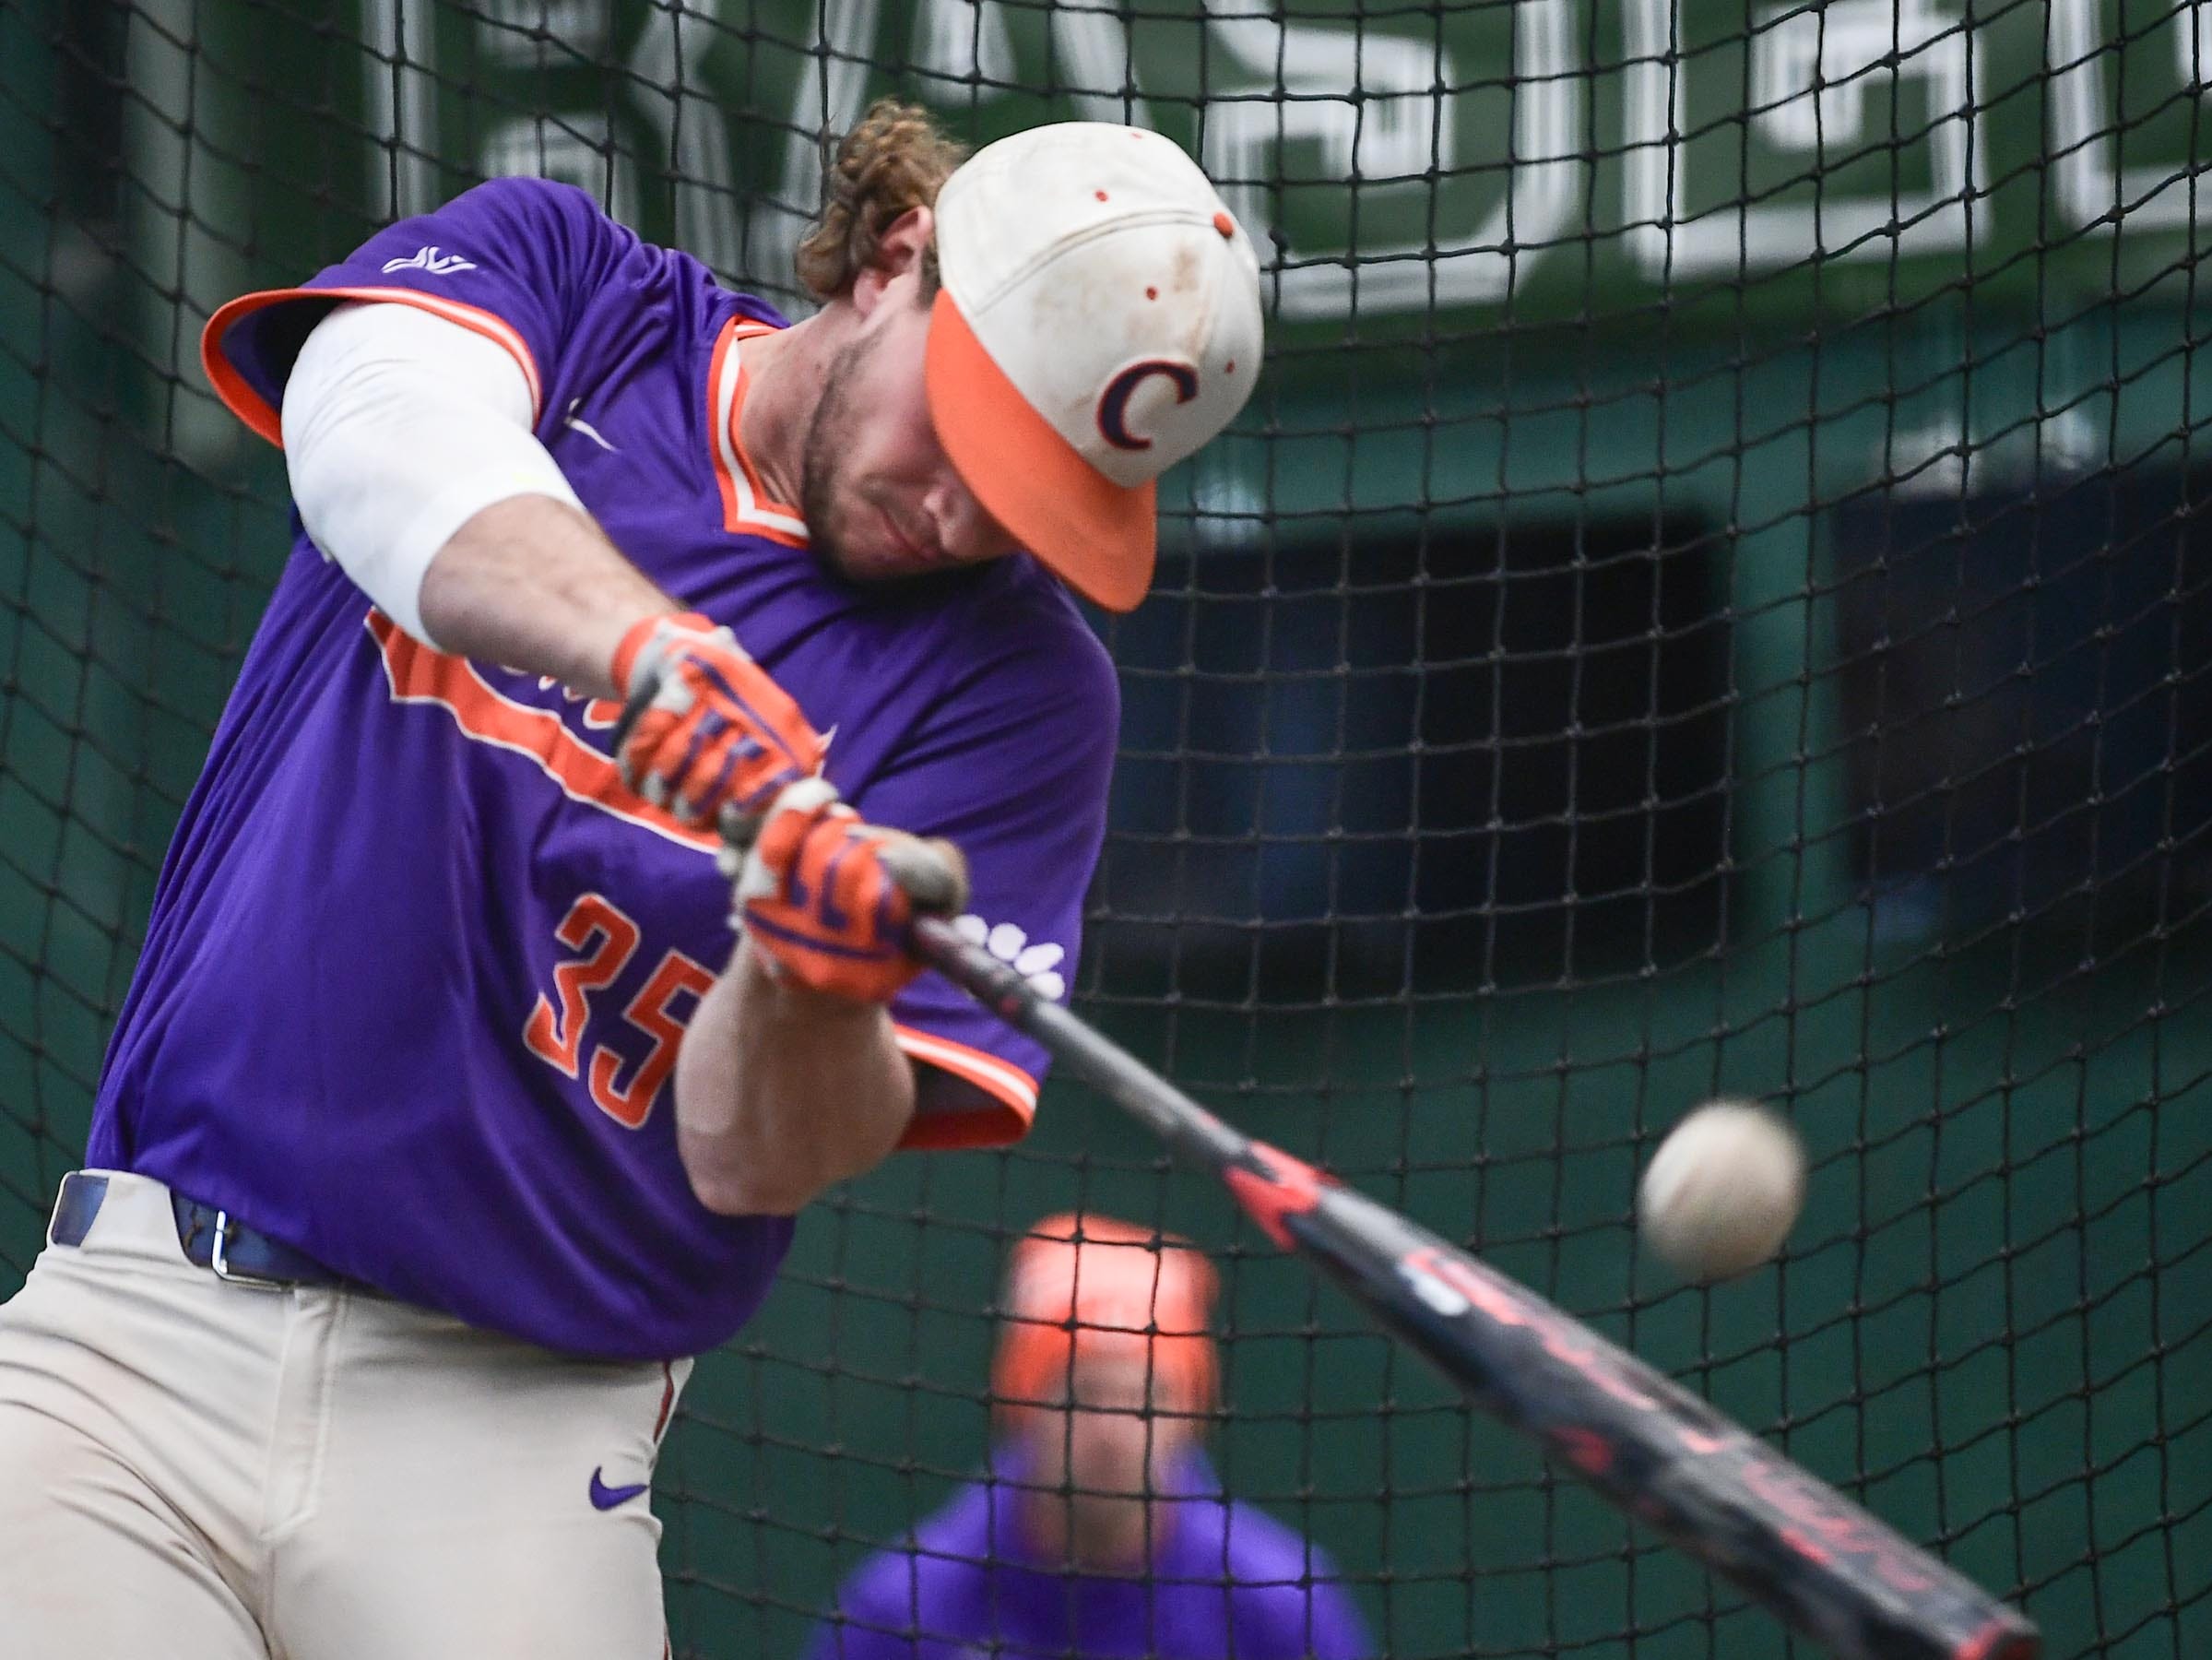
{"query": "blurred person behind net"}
[(1098, 1527)]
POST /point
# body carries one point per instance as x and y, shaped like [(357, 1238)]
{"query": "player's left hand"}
[(828, 897)]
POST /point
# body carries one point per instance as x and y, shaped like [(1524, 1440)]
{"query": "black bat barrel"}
[(1660, 1453)]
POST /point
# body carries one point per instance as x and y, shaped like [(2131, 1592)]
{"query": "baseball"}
[(1722, 1192)]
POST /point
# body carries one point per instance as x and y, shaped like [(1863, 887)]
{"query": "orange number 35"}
[(607, 939)]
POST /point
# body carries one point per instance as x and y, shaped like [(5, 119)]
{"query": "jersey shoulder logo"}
[(430, 261), (1039, 964)]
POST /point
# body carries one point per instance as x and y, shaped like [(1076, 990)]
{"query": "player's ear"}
[(899, 249)]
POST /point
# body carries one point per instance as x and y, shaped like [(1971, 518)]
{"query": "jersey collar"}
[(746, 507)]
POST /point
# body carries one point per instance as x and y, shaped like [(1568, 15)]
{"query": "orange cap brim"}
[(1098, 536)]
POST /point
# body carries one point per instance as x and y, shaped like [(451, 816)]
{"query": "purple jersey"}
[(419, 962), (1227, 1583)]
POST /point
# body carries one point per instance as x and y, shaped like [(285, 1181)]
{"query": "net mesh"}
[(1712, 597)]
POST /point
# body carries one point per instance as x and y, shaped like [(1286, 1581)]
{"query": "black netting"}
[(1712, 595)]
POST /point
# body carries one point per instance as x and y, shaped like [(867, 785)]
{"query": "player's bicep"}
[(398, 427)]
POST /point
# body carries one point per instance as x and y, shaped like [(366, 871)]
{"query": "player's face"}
[(883, 503), (1104, 1445)]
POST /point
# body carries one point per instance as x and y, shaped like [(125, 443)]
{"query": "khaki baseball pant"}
[(213, 1471)]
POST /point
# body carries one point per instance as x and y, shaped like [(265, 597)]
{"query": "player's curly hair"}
[(893, 161)]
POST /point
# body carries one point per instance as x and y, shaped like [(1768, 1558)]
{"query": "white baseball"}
[(1722, 1192)]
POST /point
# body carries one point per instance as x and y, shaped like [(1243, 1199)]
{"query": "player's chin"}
[(899, 567), (879, 566), (854, 565)]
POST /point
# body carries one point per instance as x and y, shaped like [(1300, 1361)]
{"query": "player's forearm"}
[(533, 584), (782, 1093)]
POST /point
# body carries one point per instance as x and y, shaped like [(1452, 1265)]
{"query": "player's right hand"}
[(710, 730), (827, 898)]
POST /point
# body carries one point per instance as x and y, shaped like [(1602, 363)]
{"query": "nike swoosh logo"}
[(606, 1498), (592, 433), (589, 430)]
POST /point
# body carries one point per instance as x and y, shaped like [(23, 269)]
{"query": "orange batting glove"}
[(827, 897), (704, 727)]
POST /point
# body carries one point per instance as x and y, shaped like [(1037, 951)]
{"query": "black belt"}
[(209, 1238)]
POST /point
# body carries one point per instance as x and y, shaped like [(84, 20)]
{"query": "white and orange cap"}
[(1099, 321)]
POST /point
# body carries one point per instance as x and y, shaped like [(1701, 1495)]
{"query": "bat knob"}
[(740, 831)]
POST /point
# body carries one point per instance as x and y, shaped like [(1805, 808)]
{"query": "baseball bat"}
[(1659, 1453)]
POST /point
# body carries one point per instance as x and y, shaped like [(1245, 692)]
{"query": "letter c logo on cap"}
[(1113, 403)]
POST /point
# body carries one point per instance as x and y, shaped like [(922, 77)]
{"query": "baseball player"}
[(1099, 1529), (444, 1121)]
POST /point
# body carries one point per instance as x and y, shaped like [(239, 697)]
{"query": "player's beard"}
[(824, 485), (820, 486)]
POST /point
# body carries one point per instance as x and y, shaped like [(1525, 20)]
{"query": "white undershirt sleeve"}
[(398, 427)]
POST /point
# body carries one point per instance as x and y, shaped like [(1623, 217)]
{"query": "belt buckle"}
[(219, 1260)]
